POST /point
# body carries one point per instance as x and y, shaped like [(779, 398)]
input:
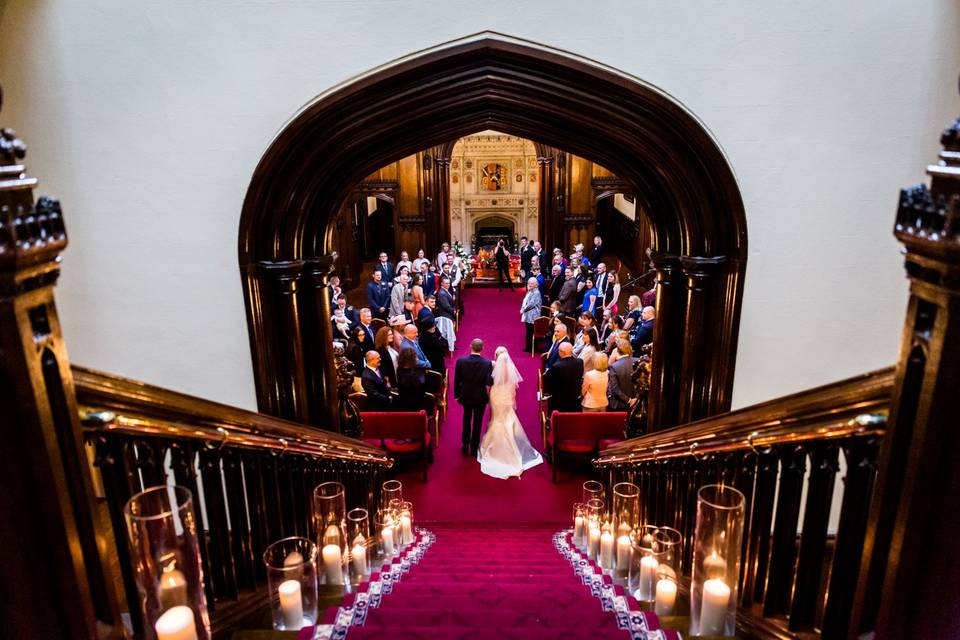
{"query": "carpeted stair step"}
[(472, 633), (490, 618)]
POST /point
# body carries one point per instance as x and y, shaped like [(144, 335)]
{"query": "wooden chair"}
[(541, 329), (359, 398), (401, 433), (571, 326), (436, 384), (583, 435), (544, 310)]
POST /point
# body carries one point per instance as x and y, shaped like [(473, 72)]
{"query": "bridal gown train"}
[(505, 450)]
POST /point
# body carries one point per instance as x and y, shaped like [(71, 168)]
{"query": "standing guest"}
[(419, 260), (563, 381), (620, 378), (386, 269), (428, 278), (596, 255), (397, 295), (606, 326), (455, 273), (378, 296), (555, 313), (560, 338), (354, 352), (526, 256), (403, 271), (365, 331), (502, 257), (568, 293), (539, 254), (588, 348), (634, 309), (348, 311), (434, 345), (411, 380), (442, 256), (643, 334), (541, 283), (558, 258), (388, 354), (409, 304), (530, 311), (404, 262), (612, 294), (416, 290), (589, 295), (586, 321), (471, 377), (410, 335), (601, 280), (595, 383), (378, 393), (556, 282), (445, 302), (333, 290), (426, 312)]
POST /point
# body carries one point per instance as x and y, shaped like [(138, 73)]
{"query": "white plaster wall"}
[(147, 118)]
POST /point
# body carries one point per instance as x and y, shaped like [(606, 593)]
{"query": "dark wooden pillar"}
[(54, 583), (910, 571), (667, 342), (698, 327), (546, 215), (441, 204), (318, 342)]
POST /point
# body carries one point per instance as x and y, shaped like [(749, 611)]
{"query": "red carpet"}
[(456, 490)]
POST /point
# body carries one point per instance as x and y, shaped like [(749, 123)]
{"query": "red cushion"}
[(609, 442), (404, 445), (573, 446), (374, 443)]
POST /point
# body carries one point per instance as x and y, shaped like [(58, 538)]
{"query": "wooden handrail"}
[(854, 406), (113, 403)]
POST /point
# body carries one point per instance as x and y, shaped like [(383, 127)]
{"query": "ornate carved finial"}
[(12, 148), (350, 423)]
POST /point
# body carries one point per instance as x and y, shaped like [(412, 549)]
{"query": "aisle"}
[(490, 582), (456, 490)]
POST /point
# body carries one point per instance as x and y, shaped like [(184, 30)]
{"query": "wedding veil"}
[(504, 371)]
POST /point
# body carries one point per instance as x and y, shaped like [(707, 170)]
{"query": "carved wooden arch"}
[(487, 81)]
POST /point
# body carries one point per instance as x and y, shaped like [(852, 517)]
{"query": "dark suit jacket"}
[(564, 382), (620, 383), (568, 296), (554, 352), (430, 283), (643, 334), (388, 270), (425, 313), (387, 370), (555, 285), (435, 347), (378, 395), (445, 305), (471, 377), (502, 256), (526, 257), (378, 295), (596, 255), (368, 336)]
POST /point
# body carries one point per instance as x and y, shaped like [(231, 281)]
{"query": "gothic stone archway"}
[(679, 175)]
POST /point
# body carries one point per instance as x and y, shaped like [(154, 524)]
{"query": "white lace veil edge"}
[(504, 371)]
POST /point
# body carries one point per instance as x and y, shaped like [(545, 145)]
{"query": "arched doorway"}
[(677, 171)]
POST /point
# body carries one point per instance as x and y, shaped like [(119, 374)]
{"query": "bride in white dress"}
[(505, 450)]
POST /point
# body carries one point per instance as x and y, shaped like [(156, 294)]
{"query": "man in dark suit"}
[(348, 311), (387, 270), (378, 296), (602, 282), (446, 306), (434, 345), (526, 256), (596, 255), (540, 255), (568, 293), (556, 283), (559, 337), (564, 381), (471, 377), (643, 332), (620, 379), (426, 312), (367, 343), (502, 257), (378, 393)]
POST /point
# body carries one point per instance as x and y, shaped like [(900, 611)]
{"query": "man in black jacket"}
[(471, 377), (563, 382), (446, 307), (526, 256), (559, 337), (378, 393), (502, 257), (387, 270), (434, 345), (378, 296)]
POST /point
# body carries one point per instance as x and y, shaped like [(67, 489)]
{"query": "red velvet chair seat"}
[(573, 445), (582, 434), (404, 445), (400, 433), (609, 442)]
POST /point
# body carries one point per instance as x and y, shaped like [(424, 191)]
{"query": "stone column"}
[(667, 357), (698, 349)]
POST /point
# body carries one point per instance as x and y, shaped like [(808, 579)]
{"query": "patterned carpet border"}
[(641, 625), (353, 612)]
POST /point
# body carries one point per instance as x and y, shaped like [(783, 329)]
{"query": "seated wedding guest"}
[(620, 378), (588, 348), (434, 345), (378, 296), (365, 331), (530, 311), (348, 311), (388, 354), (419, 260), (563, 381), (606, 327), (411, 380), (643, 334), (404, 262), (613, 341), (633, 313), (341, 325), (589, 295), (387, 270), (559, 339), (595, 385), (374, 385), (427, 311), (585, 321), (555, 313), (556, 282), (397, 295), (410, 341), (541, 283), (416, 292)]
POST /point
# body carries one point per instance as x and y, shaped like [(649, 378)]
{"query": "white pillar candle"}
[(406, 530), (359, 553), (578, 530), (291, 604), (593, 549), (713, 610), (648, 578), (666, 597), (623, 553), (333, 564), (606, 550), (176, 623), (386, 537)]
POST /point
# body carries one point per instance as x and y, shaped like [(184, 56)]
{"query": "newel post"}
[(667, 342), (910, 566), (54, 583)]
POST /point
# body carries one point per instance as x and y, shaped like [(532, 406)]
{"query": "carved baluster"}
[(182, 462), (861, 457), (813, 542), (218, 533), (256, 501), (149, 456), (758, 533), (696, 481), (240, 539), (793, 462)]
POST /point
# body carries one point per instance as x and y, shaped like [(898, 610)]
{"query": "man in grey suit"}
[(568, 293), (620, 378), (398, 294)]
